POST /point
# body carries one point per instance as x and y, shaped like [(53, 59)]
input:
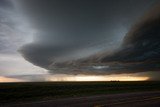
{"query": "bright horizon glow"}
[(98, 78), (5, 79), (76, 78)]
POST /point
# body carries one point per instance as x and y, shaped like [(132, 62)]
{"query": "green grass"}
[(34, 91)]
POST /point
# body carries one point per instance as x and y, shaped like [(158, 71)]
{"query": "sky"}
[(75, 40)]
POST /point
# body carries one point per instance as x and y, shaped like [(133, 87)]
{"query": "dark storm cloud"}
[(68, 31), (140, 49), (142, 42)]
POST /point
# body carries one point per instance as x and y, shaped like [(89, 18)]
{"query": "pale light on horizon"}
[(5, 79), (74, 78), (98, 78)]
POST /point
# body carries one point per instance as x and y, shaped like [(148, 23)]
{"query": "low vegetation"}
[(35, 91)]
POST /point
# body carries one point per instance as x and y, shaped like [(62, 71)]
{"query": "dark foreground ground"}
[(135, 99), (75, 94)]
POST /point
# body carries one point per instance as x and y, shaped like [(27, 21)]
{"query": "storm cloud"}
[(91, 37), (140, 49), (141, 46)]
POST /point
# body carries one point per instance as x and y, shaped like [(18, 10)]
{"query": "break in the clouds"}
[(93, 37), (13, 28), (14, 33)]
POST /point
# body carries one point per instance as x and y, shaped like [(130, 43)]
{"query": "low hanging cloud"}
[(67, 40), (140, 49)]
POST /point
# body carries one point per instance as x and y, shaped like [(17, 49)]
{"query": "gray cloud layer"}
[(140, 49), (71, 31), (141, 46), (12, 28)]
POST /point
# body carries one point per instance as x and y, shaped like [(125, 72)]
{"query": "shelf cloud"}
[(93, 37)]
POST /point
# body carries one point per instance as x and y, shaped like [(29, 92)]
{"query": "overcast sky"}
[(79, 37)]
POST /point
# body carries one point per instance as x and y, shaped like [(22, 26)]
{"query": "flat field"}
[(40, 91)]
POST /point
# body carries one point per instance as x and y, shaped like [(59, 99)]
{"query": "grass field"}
[(35, 91)]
